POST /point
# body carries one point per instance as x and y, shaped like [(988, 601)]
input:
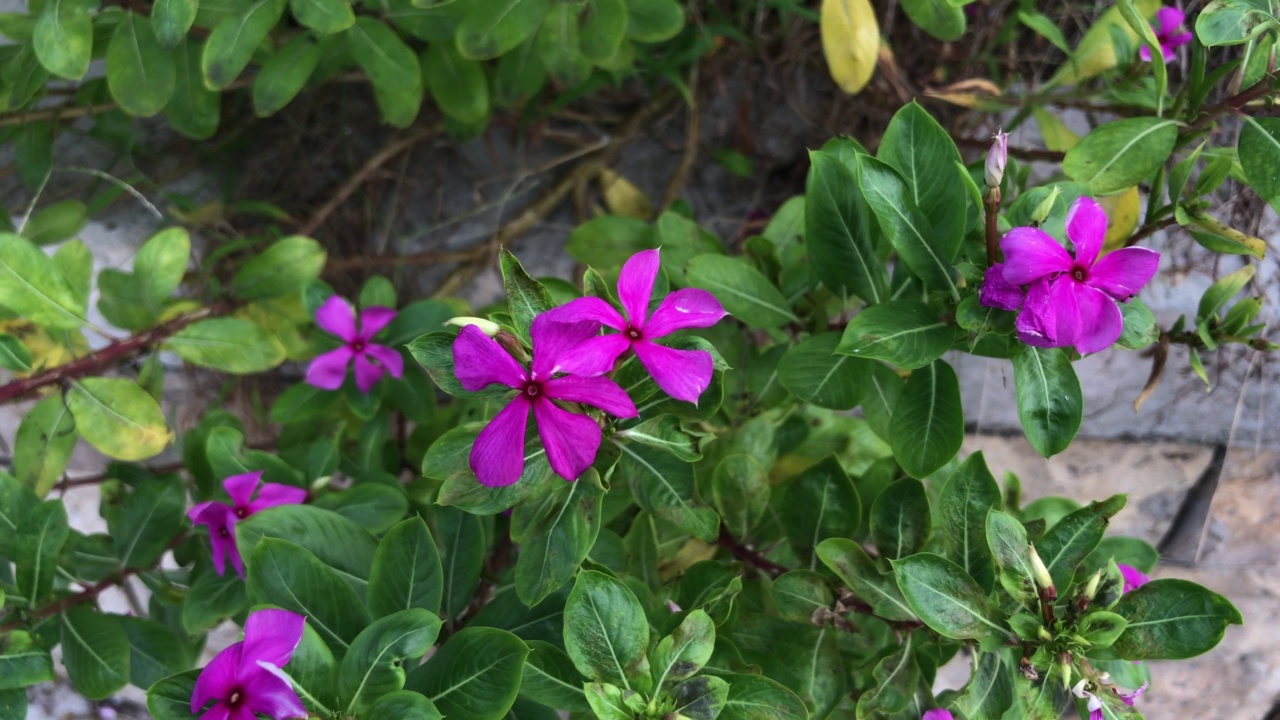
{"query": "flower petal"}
[(388, 358), (595, 356), (269, 694), (336, 316), (1168, 19), (217, 678), (367, 374), (497, 456), (571, 440), (635, 285), (270, 635), (273, 494), (682, 374), (1086, 226), (586, 309), (1030, 254), (224, 548), (373, 319), (478, 361), (1122, 273), (687, 308), (597, 392), (937, 714), (997, 293), (1173, 41), (327, 371), (1144, 53), (1133, 579), (1100, 322), (1128, 698), (219, 711), (208, 513), (1037, 323), (241, 487), (554, 342)]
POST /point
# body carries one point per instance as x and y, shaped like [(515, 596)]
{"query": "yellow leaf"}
[(1095, 54), (971, 93), (47, 350), (1056, 136), (1122, 217), (624, 198), (851, 42)]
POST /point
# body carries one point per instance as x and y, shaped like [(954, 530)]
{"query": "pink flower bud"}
[(996, 158)]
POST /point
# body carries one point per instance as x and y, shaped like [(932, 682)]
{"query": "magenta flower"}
[(682, 374), (570, 439), (221, 518), (996, 292), (936, 714), (1128, 698), (244, 677), (1071, 301), (336, 316), (1168, 22), (1133, 577)]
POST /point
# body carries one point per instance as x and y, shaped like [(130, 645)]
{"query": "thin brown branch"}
[(748, 555), (681, 174), (1150, 229)]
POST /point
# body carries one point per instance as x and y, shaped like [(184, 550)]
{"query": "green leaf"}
[(374, 666), (41, 533), (170, 698), (404, 705), (313, 672), (663, 486), (947, 599), (14, 355), (19, 670), (493, 28), (838, 232), (406, 571), (148, 518), (1120, 154), (684, 652), (700, 698), (1072, 538), (1140, 328), (43, 444), (63, 38), (1147, 36), (373, 506), (1217, 295), (755, 697), (799, 593), (970, 493), (559, 46), (883, 388), (16, 504), (806, 659), (900, 521), (906, 226), (1007, 539), (610, 702), (819, 504), (858, 572), (95, 651), (57, 222), (380, 52), (171, 19), (1131, 551), (1046, 28), (1172, 619), (741, 289), (526, 298), (989, 692), (283, 269), (140, 74), (339, 543), (325, 17), (1101, 629), (928, 424), (458, 85), (666, 432), (605, 630), (1231, 22), (460, 538), (283, 76), (233, 41), (604, 29), (476, 674), (681, 240), (194, 110), (896, 678), (923, 153), (231, 345), (118, 417), (812, 373), (939, 18), (155, 651), (651, 21), (549, 677), (556, 532), (289, 577), (33, 141), (1050, 403), (903, 332), (740, 492), (31, 286), (212, 599)]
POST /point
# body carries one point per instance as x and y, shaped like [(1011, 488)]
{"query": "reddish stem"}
[(747, 555)]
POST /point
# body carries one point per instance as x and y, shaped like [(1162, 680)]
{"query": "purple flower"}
[(570, 439), (993, 172), (1168, 22), (1071, 301), (1133, 578), (336, 316), (1128, 698), (243, 678), (936, 714), (997, 293), (221, 518), (682, 374)]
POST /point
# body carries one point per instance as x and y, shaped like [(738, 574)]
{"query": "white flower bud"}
[(488, 327)]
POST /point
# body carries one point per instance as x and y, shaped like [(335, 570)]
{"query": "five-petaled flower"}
[(937, 714), (221, 518), (1167, 25), (570, 439), (1133, 577), (682, 374), (244, 677), (1071, 301), (336, 316)]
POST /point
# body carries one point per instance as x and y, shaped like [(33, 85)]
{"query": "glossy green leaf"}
[(684, 652), (460, 538), (170, 698), (819, 504), (458, 85), (194, 110), (14, 356), (989, 692), (57, 222), (1007, 539), (31, 286), (1172, 619), (148, 518), (171, 19), (906, 226), (404, 705), (896, 677), (900, 519), (838, 232), (559, 46), (667, 433), (652, 21), (41, 533), (740, 492), (924, 155), (858, 572), (492, 28), (476, 674), (43, 444), (313, 672), (799, 593), (947, 599), (380, 52), (663, 485), (928, 424), (1072, 538), (213, 598), (290, 577), (1050, 403), (323, 16), (700, 698), (232, 42), (231, 345), (374, 666), (558, 529), (282, 269), (811, 371), (95, 651), (18, 670), (520, 75), (140, 73), (339, 543), (549, 677), (604, 28), (155, 651), (605, 630), (283, 76), (406, 571), (969, 494), (1231, 22), (1219, 293), (755, 697), (940, 18), (118, 417), (526, 298), (741, 289), (1120, 154), (903, 332), (63, 37)]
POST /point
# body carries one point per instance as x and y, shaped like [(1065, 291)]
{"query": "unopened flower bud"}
[(993, 173), (1041, 213), (1038, 570), (1044, 635), (1064, 664), (488, 327)]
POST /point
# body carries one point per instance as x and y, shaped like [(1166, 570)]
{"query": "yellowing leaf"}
[(624, 198), (1122, 217), (47, 350), (851, 42), (1056, 136), (971, 93), (1095, 54), (118, 418)]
